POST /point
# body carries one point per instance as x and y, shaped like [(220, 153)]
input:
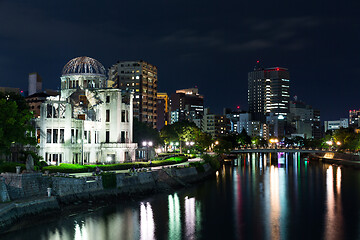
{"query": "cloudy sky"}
[(208, 44)]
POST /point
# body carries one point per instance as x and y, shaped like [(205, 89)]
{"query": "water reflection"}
[(174, 217), (266, 196), (147, 226), (333, 217)]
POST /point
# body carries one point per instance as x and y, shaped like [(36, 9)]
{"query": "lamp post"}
[(147, 145), (274, 141), (189, 144), (330, 143)]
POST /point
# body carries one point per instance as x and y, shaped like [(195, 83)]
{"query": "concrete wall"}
[(25, 185), (21, 186)]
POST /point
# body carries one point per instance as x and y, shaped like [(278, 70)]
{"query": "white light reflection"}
[(190, 217), (174, 217), (147, 226), (333, 217), (338, 180), (80, 231), (274, 203)]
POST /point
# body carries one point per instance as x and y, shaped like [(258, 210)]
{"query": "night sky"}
[(208, 44)]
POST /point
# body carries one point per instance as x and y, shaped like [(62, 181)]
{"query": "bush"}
[(11, 167), (108, 180), (198, 165), (77, 168), (212, 160)]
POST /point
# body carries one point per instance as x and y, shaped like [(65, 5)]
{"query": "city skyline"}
[(210, 46)]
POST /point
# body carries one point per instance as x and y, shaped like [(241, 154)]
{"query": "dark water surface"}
[(264, 197)]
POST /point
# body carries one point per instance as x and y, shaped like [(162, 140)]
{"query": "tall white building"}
[(87, 122)]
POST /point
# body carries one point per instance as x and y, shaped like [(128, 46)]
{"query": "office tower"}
[(268, 92), (186, 104), (354, 116), (337, 124), (162, 110), (215, 125), (35, 83), (304, 120), (141, 78)]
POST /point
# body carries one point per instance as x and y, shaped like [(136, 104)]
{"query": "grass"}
[(77, 168)]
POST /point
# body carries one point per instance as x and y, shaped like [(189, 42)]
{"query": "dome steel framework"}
[(81, 65)]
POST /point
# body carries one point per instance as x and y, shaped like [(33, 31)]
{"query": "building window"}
[(107, 137), (122, 139), (72, 136), (76, 135), (107, 99), (123, 116), (55, 135), (107, 115), (62, 139), (38, 135), (89, 137), (49, 111), (48, 135)]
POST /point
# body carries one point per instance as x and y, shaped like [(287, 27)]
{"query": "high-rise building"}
[(233, 116), (268, 92), (35, 83), (141, 78), (337, 124), (215, 125), (354, 116), (162, 110), (305, 120), (186, 104)]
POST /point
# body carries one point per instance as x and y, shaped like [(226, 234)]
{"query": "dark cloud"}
[(210, 44)]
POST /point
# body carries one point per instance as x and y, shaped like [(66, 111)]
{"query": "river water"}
[(264, 197)]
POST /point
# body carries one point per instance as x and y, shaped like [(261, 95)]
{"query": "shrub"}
[(77, 168), (198, 165), (212, 160), (108, 180), (11, 167)]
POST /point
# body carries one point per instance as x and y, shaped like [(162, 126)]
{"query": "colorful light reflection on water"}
[(271, 196)]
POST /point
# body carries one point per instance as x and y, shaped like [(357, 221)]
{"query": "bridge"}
[(276, 150)]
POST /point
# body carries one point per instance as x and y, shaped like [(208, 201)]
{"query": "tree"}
[(244, 138), (144, 132), (15, 122), (185, 131)]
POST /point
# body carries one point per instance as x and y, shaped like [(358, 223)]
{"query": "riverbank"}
[(344, 159), (28, 192)]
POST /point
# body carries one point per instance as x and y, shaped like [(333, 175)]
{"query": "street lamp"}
[(274, 141), (191, 143), (147, 145)]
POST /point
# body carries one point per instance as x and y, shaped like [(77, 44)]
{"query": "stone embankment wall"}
[(26, 194)]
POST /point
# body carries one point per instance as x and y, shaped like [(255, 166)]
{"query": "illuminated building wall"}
[(337, 124), (162, 110), (87, 123), (188, 103), (141, 78), (35, 83), (305, 120), (268, 92)]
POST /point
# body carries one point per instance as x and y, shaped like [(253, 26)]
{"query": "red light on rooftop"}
[(238, 107), (21, 91), (277, 69), (257, 61)]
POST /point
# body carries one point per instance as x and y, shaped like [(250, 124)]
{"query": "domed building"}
[(88, 123)]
